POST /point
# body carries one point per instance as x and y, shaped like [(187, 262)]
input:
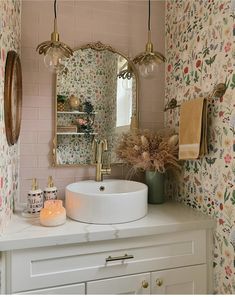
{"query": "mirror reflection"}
[(93, 100)]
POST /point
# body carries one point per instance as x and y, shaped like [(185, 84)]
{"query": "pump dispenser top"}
[(50, 192)]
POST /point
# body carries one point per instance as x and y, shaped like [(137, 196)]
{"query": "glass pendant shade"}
[(53, 49), (149, 70), (148, 62), (52, 59)]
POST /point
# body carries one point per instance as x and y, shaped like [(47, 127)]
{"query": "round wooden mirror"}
[(12, 97)]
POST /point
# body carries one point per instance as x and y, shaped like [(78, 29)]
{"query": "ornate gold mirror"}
[(12, 97), (96, 97)]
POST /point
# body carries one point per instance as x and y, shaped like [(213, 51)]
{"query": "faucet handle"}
[(94, 148)]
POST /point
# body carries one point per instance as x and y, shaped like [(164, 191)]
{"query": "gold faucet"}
[(99, 147)]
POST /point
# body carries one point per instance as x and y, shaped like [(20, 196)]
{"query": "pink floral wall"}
[(10, 13), (200, 54)]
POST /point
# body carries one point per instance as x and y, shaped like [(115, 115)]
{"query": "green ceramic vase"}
[(155, 182)]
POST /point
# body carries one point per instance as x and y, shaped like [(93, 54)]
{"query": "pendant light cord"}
[(149, 25), (55, 12)]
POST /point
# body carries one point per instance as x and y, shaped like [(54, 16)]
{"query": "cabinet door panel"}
[(185, 280), (133, 284), (78, 289)]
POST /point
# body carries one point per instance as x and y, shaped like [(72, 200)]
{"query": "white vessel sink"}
[(106, 202)]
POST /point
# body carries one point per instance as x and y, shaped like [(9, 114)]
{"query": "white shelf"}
[(76, 112), (75, 133)]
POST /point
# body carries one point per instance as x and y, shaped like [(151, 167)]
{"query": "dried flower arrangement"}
[(147, 150)]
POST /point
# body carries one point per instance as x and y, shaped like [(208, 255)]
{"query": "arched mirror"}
[(96, 97), (12, 97)]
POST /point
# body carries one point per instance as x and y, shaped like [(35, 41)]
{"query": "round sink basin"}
[(106, 202)]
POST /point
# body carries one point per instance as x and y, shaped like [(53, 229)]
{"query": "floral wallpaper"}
[(200, 54), (10, 16)]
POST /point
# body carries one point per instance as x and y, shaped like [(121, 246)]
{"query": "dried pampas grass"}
[(149, 151)]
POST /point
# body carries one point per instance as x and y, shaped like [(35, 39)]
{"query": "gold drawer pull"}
[(159, 282), (145, 284), (118, 258)]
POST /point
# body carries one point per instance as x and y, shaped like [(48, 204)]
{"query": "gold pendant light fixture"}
[(149, 60), (54, 50)]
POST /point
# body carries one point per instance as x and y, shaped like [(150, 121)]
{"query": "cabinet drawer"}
[(60, 265)]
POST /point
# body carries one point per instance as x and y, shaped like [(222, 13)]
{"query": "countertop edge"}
[(95, 236)]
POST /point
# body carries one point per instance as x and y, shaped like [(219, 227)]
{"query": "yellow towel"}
[(193, 129)]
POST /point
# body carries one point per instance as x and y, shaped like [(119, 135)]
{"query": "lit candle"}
[(53, 213)]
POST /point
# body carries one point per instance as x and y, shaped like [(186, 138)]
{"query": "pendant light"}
[(149, 60), (53, 49)]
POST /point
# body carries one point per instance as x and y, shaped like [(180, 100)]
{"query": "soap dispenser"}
[(50, 192), (34, 201)]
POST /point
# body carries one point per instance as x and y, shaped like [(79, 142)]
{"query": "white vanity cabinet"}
[(142, 257)]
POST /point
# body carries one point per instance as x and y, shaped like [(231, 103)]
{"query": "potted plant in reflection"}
[(84, 126), (154, 153)]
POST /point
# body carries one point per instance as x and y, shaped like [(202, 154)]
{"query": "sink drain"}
[(102, 188)]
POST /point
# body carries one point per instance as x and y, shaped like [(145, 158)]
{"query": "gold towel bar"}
[(218, 91)]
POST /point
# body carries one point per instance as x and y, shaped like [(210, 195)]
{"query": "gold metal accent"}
[(134, 123), (149, 54), (50, 182), (217, 92), (171, 104), (159, 282), (99, 148), (119, 258), (98, 46), (12, 97), (55, 42), (34, 184), (145, 284), (126, 73)]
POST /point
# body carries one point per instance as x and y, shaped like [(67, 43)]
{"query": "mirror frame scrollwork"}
[(99, 46), (12, 112)]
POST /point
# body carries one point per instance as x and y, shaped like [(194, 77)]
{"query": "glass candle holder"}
[(53, 213)]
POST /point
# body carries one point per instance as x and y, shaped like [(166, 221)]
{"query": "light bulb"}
[(52, 59), (148, 70)]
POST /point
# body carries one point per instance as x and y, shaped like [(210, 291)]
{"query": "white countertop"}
[(168, 217)]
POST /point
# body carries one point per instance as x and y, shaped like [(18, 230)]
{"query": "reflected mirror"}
[(96, 97)]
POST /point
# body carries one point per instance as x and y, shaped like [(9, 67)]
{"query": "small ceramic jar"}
[(74, 102), (53, 213)]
